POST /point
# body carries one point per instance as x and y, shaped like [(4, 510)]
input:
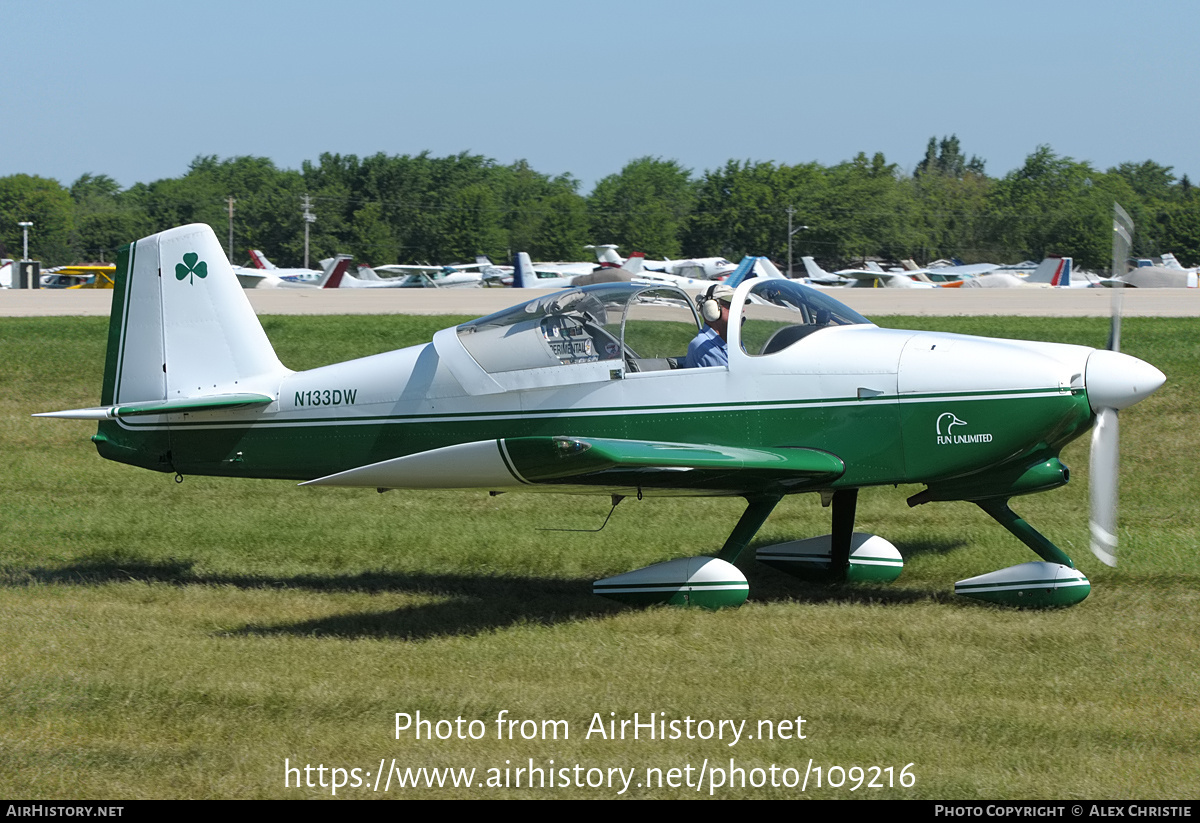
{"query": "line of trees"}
[(418, 208)]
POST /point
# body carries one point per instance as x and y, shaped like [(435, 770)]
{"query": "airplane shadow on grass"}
[(474, 603)]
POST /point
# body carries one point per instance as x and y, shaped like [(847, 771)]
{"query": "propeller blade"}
[(1122, 245), (1104, 461), (1114, 328), (1104, 466)]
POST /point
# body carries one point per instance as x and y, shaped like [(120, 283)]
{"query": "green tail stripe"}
[(116, 324)]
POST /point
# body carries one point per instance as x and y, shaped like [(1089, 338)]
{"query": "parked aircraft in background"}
[(527, 276), (817, 276), (762, 267), (331, 276), (465, 275), (1153, 277), (1170, 262), (551, 275), (63, 277), (606, 255), (606, 258), (579, 391), (554, 275), (700, 268), (79, 277), (408, 277), (1050, 273), (261, 263), (1053, 272), (635, 266), (863, 278), (945, 271)]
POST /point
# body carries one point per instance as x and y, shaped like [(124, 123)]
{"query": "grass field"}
[(163, 640)]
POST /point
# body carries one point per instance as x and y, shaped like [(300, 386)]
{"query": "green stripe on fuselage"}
[(866, 435)]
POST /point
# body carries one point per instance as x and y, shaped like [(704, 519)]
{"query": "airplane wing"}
[(396, 269), (592, 464), (891, 280), (250, 278), (971, 269)]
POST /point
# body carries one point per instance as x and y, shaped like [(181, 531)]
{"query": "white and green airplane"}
[(579, 391)]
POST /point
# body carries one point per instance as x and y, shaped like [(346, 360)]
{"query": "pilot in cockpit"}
[(710, 347)]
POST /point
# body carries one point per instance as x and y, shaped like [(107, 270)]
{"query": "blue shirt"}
[(706, 349)]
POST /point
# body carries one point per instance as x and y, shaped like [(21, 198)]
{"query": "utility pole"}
[(791, 210), (309, 219), (231, 202), (25, 226)]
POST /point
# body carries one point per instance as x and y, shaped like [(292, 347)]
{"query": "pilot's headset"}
[(711, 300)]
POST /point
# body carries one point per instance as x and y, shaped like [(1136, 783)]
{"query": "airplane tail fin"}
[(181, 326), (744, 271), (335, 274), (492, 274), (606, 255), (814, 271), (523, 276), (260, 260), (633, 264), (765, 268), (1053, 270), (1170, 261)]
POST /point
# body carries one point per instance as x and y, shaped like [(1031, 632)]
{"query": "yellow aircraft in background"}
[(79, 277)]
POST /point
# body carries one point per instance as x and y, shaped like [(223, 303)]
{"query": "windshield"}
[(778, 313)]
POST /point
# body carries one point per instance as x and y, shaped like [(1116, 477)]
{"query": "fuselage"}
[(895, 406)]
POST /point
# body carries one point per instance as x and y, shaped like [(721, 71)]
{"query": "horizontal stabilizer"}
[(214, 402)]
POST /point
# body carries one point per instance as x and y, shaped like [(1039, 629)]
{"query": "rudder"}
[(181, 325)]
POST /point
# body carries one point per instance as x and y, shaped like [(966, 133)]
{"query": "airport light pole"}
[(231, 202), (25, 226), (791, 233), (309, 219)]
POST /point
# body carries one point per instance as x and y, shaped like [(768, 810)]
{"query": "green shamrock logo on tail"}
[(191, 267)]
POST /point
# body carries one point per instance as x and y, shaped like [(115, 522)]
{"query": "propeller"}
[(1104, 465), (1116, 386)]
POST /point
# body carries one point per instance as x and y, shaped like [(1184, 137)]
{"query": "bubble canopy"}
[(647, 326)]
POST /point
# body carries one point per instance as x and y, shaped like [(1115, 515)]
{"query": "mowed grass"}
[(163, 640)]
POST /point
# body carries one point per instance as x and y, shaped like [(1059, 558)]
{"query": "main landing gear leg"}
[(1024, 532), (709, 582), (1053, 582), (841, 556), (758, 509), (845, 504)]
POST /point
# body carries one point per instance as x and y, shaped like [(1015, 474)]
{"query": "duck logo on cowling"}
[(945, 436)]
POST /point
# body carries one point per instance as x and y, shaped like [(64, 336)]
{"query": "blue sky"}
[(137, 89)]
